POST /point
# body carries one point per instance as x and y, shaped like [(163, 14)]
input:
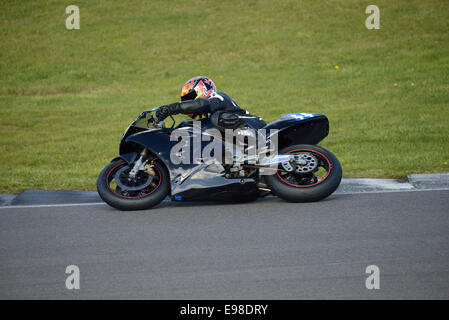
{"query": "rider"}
[(199, 96)]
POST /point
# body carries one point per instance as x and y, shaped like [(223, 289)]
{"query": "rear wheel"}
[(314, 175), (146, 190)]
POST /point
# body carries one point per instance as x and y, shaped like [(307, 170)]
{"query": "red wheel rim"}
[(307, 185)]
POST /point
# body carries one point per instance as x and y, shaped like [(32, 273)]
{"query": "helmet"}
[(197, 87)]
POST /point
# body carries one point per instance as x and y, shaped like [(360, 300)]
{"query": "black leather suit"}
[(224, 112)]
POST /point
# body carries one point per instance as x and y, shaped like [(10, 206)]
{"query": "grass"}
[(67, 95)]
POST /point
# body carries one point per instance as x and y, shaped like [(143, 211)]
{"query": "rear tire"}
[(316, 189), (113, 197)]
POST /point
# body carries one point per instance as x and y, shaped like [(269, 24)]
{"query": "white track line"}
[(53, 205), (60, 205), (342, 193), (169, 200)]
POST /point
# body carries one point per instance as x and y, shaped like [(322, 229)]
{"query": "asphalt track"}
[(268, 249)]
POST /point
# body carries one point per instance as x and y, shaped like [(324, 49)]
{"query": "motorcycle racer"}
[(199, 96)]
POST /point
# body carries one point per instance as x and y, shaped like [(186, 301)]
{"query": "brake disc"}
[(124, 181)]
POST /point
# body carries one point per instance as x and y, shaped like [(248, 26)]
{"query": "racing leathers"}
[(223, 111)]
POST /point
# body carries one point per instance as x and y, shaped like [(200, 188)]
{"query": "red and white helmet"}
[(197, 87)]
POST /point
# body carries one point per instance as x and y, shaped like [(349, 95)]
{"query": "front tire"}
[(306, 184), (150, 195)]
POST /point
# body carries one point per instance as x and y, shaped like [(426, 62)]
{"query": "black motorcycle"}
[(145, 173)]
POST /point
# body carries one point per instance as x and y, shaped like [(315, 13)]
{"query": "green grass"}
[(67, 95)]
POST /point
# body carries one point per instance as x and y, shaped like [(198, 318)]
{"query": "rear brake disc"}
[(305, 162)]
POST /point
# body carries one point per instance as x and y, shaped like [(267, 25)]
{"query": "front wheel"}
[(146, 190), (315, 174)]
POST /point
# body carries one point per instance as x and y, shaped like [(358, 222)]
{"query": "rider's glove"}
[(164, 111)]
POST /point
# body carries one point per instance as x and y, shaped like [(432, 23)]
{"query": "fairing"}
[(300, 128), (192, 181)]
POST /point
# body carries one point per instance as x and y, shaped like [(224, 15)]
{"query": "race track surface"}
[(268, 249)]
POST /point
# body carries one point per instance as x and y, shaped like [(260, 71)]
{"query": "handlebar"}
[(157, 123)]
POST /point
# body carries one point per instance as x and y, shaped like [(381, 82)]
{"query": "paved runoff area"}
[(359, 243)]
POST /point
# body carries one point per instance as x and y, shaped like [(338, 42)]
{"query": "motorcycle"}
[(145, 172)]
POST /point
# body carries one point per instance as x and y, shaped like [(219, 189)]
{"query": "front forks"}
[(140, 164)]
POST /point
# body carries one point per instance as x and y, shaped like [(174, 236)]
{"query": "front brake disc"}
[(123, 180)]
